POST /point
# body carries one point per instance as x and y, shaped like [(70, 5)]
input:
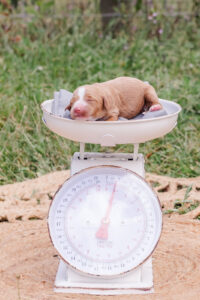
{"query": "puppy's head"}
[(86, 104)]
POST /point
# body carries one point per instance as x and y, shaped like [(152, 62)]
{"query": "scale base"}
[(138, 281)]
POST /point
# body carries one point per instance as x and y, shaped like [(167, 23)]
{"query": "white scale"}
[(105, 221)]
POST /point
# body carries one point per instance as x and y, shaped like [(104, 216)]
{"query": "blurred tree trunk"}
[(14, 3), (196, 11), (108, 10)]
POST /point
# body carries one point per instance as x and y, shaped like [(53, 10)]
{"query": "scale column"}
[(135, 151), (82, 150)]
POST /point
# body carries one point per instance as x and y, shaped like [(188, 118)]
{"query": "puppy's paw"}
[(113, 118), (155, 107)]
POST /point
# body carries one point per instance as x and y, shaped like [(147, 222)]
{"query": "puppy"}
[(121, 97)]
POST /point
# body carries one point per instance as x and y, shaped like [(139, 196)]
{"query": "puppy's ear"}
[(68, 107), (111, 99), (105, 103), (111, 104), (108, 101)]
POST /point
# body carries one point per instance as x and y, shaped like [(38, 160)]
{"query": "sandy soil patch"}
[(28, 261)]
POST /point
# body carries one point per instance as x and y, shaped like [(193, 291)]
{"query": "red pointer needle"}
[(102, 232)]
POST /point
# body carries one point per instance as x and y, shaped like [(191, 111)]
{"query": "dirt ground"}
[(28, 261)]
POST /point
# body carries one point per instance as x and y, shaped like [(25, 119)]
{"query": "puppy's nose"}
[(79, 111)]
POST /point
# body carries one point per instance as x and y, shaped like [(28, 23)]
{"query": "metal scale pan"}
[(115, 132)]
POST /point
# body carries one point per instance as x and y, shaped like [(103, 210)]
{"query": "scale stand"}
[(138, 281)]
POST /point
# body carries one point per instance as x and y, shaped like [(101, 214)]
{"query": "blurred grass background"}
[(49, 45)]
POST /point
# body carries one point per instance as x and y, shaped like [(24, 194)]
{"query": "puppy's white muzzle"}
[(79, 110)]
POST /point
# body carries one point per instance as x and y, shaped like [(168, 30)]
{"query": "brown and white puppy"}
[(121, 97)]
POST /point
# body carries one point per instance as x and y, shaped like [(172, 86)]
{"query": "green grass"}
[(183, 206), (65, 53)]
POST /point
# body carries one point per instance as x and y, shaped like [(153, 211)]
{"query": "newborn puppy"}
[(121, 97)]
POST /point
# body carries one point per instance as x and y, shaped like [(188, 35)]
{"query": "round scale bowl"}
[(110, 133)]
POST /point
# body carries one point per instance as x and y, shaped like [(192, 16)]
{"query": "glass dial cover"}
[(105, 221)]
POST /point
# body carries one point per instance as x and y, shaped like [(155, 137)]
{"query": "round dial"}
[(105, 221)]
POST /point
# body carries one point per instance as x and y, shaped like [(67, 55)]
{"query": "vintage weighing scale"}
[(105, 221)]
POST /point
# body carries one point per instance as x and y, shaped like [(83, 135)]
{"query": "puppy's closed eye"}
[(91, 100)]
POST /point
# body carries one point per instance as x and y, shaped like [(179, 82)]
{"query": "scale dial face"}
[(105, 221)]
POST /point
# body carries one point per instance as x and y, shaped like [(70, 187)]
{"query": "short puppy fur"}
[(121, 97)]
